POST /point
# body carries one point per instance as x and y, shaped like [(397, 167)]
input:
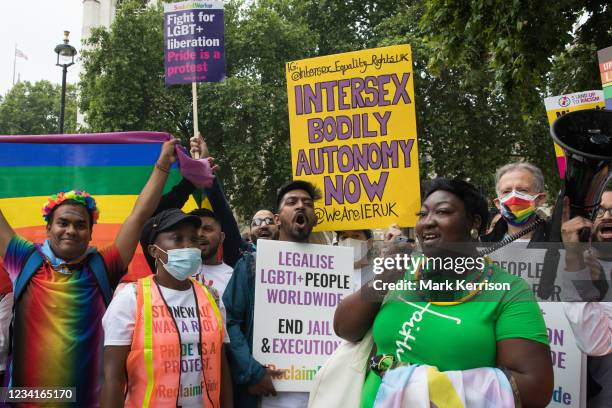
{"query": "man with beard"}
[(213, 272), (591, 322), (263, 226), (294, 223)]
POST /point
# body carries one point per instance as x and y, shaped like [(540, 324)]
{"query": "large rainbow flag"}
[(113, 167)]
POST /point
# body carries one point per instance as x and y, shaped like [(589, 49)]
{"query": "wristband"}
[(162, 169), (382, 363)]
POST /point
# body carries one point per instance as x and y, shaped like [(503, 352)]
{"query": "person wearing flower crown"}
[(62, 287)]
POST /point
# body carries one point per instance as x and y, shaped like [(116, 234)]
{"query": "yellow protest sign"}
[(560, 105), (353, 134)]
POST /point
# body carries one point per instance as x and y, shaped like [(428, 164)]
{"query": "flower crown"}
[(80, 197)]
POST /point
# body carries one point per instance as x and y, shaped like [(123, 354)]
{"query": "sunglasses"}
[(261, 221)]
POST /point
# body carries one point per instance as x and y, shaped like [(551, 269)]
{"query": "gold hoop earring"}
[(474, 233)]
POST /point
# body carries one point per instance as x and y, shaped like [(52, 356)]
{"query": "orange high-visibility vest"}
[(152, 369)]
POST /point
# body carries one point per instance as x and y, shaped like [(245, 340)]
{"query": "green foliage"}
[(122, 85), (532, 49), (514, 40), (522, 52), (467, 127), (576, 68), (34, 108), (244, 119)]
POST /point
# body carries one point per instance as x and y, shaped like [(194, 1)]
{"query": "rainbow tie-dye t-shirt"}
[(57, 334)]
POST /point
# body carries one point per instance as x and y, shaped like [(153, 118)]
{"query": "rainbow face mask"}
[(518, 208)]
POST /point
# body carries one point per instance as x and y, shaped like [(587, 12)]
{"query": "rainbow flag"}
[(113, 167)]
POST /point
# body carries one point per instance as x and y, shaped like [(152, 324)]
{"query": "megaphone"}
[(586, 138)]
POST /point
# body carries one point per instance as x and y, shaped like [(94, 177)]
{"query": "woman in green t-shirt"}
[(459, 314)]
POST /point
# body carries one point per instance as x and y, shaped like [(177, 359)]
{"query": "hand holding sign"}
[(199, 149), (265, 387)]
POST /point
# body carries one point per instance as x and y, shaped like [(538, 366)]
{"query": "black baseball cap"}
[(162, 222)]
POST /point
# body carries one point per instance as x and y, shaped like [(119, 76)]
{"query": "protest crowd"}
[(368, 282), (190, 319)]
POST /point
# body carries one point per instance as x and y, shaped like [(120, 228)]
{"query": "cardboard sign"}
[(194, 48), (297, 290), (569, 363), (605, 69), (353, 134), (560, 105)]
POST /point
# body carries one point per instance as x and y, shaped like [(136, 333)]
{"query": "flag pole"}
[(14, 62), (196, 130), (198, 194)]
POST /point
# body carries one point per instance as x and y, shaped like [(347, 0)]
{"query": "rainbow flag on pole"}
[(113, 167)]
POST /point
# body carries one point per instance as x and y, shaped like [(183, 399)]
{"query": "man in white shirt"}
[(214, 272), (591, 321)]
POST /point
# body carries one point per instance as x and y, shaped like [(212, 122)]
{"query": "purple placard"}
[(194, 48)]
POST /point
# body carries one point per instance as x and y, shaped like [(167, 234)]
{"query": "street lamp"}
[(65, 58)]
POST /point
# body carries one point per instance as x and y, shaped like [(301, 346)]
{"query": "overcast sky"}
[(37, 26)]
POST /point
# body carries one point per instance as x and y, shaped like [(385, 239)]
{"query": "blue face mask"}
[(183, 262)]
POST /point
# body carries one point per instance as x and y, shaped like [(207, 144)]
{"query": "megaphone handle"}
[(552, 256)]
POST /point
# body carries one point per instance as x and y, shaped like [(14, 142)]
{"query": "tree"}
[(467, 126), (33, 109), (517, 41), (243, 119), (521, 52)]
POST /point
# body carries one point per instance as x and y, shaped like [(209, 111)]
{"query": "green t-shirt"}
[(457, 337)]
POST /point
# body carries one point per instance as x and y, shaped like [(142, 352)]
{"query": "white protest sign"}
[(297, 290), (526, 263), (569, 363)]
